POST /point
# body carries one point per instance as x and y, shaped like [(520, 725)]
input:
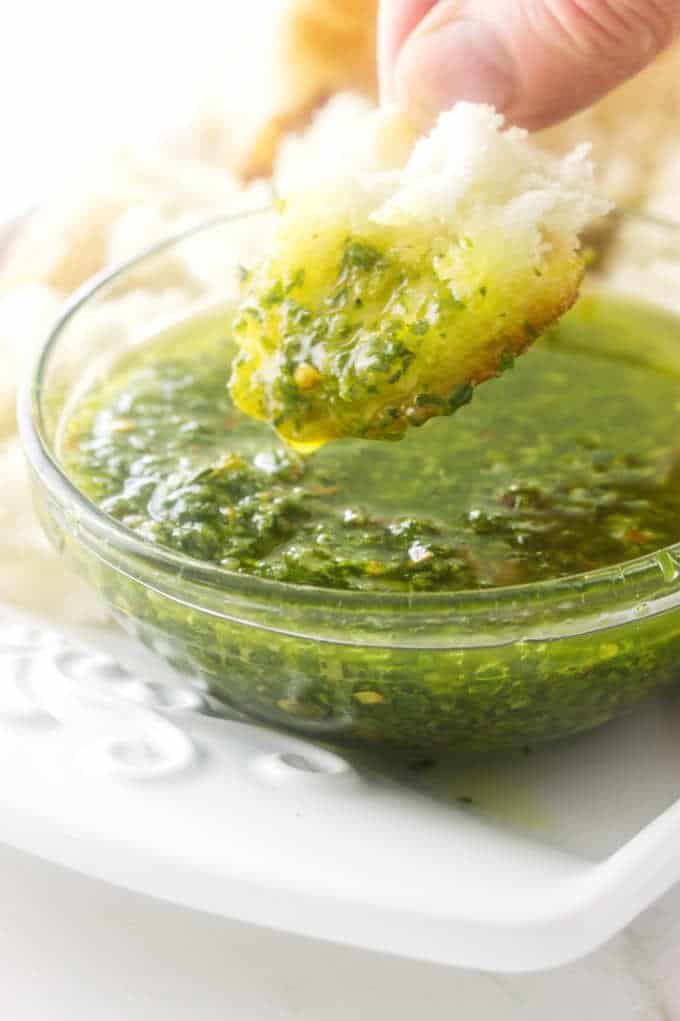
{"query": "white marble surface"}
[(75, 949)]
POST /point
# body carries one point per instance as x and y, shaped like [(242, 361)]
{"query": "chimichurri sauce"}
[(568, 463)]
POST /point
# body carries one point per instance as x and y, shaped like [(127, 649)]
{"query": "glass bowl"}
[(469, 671)]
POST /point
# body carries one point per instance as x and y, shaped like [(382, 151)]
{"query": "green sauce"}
[(568, 463)]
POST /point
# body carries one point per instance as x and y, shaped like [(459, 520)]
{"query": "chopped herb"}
[(274, 296), (460, 396), (429, 401), (359, 255), (530, 331), (507, 359), (296, 282)]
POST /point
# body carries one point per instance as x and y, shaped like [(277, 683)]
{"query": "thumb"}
[(536, 61)]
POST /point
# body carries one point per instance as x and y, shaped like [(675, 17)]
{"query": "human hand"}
[(536, 61)]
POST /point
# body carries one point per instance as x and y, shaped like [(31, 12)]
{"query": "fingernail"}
[(459, 60)]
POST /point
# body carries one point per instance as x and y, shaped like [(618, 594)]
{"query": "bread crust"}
[(323, 47)]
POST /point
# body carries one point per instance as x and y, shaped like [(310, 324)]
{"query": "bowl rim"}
[(645, 572)]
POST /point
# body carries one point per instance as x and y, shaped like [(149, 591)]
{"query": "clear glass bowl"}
[(469, 671)]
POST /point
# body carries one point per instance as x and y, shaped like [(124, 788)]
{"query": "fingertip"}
[(459, 60), (397, 19)]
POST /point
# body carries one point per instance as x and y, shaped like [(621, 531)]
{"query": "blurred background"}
[(78, 77)]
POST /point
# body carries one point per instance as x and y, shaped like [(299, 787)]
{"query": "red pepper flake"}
[(632, 535)]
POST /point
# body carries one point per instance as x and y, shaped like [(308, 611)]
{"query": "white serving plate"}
[(106, 767)]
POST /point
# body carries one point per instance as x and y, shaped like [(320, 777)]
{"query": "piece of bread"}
[(634, 133), (33, 574), (397, 283), (321, 47), (112, 210)]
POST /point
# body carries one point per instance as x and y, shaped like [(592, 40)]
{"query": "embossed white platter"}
[(111, 766)]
